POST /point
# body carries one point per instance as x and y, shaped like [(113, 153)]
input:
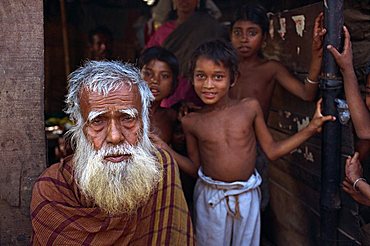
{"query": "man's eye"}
[(97, 122), (127, 118)]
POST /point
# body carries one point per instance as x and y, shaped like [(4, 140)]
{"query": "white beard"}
[(116, 188)]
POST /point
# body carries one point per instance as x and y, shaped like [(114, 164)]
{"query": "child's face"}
[(101, 47), (247, 38), (159, 77), (211, 81)]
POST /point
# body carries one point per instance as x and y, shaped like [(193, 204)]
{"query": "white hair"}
[(104, 77)]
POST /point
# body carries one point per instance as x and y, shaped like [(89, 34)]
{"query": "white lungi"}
[(227, 213)]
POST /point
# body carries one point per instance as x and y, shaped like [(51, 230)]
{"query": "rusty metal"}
[(331, 85)]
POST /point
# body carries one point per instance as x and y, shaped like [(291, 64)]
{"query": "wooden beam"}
[(22, 142)]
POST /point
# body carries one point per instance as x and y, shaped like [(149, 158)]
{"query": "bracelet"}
[(311, 81), (355, 183)]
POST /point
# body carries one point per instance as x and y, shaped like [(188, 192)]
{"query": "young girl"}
[(160, 68)]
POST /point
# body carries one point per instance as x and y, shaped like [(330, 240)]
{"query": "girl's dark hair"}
[(163, 55), (252, 12), (219, 51)]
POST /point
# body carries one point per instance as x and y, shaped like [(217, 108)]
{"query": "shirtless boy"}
[(221, 141), (259, 76)]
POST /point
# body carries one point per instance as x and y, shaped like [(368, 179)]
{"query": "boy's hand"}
[(319, 119), (186, 107), (158, 142), (353, 168), (357, 196), (318, 36), (344, 59)]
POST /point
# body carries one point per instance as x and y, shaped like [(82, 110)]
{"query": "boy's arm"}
[(354, 184), (191, 147), (360, 114), (276, 149), (184, 163), (307, 90)]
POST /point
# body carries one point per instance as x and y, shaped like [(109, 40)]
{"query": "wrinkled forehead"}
[(116, 99)]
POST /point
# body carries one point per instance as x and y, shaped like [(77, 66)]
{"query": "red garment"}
[(161, 34)]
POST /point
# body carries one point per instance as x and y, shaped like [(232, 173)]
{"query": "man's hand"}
[(319, 119), (344, 59)]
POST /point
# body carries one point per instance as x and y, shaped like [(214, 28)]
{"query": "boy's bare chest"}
[(221, 127)]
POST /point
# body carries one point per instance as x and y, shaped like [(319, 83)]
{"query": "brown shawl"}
[(60, 214)]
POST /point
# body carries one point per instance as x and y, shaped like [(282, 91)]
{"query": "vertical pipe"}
[(332, 87)]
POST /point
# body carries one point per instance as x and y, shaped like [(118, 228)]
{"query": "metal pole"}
[(332, 87)]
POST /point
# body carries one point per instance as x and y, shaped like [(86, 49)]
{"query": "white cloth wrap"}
[(227, 213)]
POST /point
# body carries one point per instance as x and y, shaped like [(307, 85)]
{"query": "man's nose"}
[(114, 135)]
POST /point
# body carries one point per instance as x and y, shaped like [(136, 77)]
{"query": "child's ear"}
[(236, 77)]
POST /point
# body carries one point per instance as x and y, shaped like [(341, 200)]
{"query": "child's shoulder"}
[(249, 102), (275, 65), (190, 117)]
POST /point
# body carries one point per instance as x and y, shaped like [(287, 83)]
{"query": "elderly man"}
[(117, 188)]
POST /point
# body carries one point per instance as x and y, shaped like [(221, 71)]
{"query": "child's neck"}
[(156, 105), (251, 61), (221, 104)]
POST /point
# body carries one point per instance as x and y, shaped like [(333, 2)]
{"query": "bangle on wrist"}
[(354, 186), (307, 80)]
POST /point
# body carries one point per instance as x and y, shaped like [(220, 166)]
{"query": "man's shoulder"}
[(163, 156), (56, 176), (55, 169)]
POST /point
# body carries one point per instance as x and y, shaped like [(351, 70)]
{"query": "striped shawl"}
[(61, 215)]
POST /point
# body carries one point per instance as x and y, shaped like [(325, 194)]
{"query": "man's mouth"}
[(117, 158)]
